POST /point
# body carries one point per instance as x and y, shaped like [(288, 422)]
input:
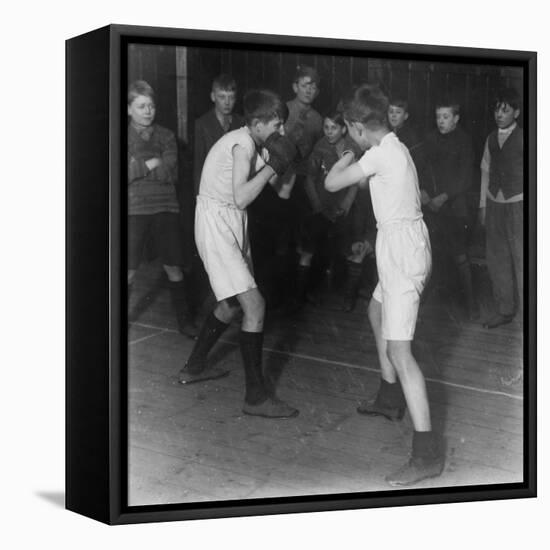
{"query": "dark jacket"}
[(448, 168)]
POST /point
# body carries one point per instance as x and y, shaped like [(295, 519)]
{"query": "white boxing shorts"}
[(404, 262), (221, 236)]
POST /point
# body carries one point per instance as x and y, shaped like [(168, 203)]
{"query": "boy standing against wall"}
[(501, 207)]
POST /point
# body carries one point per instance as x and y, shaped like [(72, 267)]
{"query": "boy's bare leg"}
[(390, 401), (375, 317), (257, 401), (413, 383), (253, 306), (196, 368), (427, 459)]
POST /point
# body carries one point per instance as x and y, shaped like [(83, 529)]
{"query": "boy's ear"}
[(406, 115), (212, 97), (516, 114), (295, 87)]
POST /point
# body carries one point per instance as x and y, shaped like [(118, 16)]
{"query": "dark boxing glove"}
[(282, 152)]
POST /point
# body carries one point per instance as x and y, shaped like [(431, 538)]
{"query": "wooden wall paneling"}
[(359, 70), (418, 91), (379, 72), (289, 62), (479, 111), (182, 92), (342, 77), (271, 71), (398, 78), (204, 66), (254, 69), (226, 61), (325, 67), (439, 85), (166, 87)]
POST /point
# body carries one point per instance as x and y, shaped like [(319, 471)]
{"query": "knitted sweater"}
[(152, 191)]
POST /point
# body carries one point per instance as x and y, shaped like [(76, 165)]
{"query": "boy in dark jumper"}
[(445, 178), (153, 208)]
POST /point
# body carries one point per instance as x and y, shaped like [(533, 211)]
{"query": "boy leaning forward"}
[(235, 171)]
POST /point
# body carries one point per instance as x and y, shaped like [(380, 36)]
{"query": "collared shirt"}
[(502, 135)]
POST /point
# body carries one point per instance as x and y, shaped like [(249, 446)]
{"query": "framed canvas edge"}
[(117, 510)]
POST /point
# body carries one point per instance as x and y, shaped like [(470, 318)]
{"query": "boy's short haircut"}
[(508, 96), (303, 71), (140, 87), (337, 116), (263, 105), (448, 102), (367, 105), (224, 82), (399, 100)]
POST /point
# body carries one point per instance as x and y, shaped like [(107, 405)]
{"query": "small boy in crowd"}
[(234, 173), (398, 117), (501, 207), (153, 208), (446, 176), (211, 126), (403, 258), (328, 220)]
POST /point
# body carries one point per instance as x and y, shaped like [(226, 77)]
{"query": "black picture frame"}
[(96, 321)]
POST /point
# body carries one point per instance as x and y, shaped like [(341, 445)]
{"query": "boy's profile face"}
[(306, 90), (397, 116), (446, 119), (142, 110), (505, 115), (334, 132), (224, 100), (262, 130)]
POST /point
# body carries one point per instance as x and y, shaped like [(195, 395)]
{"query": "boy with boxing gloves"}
[(235, 171)]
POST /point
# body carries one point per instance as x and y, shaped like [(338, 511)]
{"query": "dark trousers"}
[(505, 254)]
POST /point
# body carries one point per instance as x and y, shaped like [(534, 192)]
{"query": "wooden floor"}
[(192, 443)]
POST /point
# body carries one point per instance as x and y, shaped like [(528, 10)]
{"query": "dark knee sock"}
[(251, 350), (425, 445), (209, 334), (390, 394)]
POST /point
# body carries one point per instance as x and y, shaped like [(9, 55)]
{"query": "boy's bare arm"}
[(245, 190), (343, 174)]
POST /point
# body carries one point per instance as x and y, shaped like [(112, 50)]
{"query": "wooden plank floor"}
[(192, 443)]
